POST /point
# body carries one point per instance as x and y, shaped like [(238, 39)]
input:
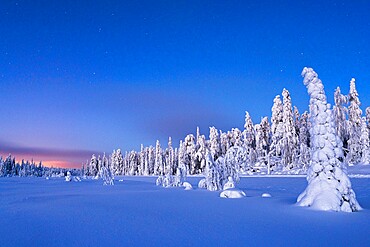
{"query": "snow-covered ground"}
[(135, 212)]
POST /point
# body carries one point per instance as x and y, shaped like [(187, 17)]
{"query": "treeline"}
[(10, 168), (279, 145)]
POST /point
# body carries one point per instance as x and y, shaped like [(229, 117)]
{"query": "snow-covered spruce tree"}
[(249, 140), (365, 143), (368, 116), (213, 174), (105, 172), (304, 142), (133, 163), (263, 144), (354, 118), (94, 166), (201, 153), (277, 133), (237, 137), (189, 145), (290, 139), (329, 188), (340, 112), (214, 143), (158, 163)]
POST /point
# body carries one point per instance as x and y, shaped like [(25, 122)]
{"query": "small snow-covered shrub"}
[(68, 177), (202, 184), (229, 184), (232, 193)]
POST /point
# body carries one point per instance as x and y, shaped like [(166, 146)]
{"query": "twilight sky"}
[(83, 77)]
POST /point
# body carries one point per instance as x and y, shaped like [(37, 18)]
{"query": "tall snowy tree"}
[(289, 141), (249, 140), (277, 132), (340, 113), (158, 164), (354, 118), (263, 143), (94, 166), (365, 143), (214, 143), (304, 142), (329, 188)]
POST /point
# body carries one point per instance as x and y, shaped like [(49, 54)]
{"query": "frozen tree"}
[(237, 137), (263, 143), (189, 145), (213, 175), (224, 143), (365, 143), (277, 133), (158, 164), (249, 140), (304, 142), (214, 143), (340, 113), (116, 162), (296, 117), (235, 161), (94, 166), (133, 163), (105, 172), (201, 153), (289, 141), (354, 118), (368, 115), (183, 160), (329, 188)]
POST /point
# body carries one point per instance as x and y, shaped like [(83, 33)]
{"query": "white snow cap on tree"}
[(329, 188)]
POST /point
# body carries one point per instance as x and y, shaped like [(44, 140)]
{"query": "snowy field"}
[(135, 212)]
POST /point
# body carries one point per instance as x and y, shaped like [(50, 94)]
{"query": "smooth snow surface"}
[(135, 212)]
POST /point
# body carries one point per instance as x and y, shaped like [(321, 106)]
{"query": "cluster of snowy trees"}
[(10, 168), (279, 145)]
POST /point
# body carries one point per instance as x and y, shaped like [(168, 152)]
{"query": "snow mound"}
[(266, 195), (202, 184), (77, 179), (232, 193), (187, 186)]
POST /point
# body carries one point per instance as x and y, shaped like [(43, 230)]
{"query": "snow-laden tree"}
[(235, 162), (368, 116), (277, 132), (214, 143), (189, 145), (225, 142), (182, 159), (158, 163), (249, 140), (237, 137), (329, 188), (340, 112), (304, 142), (213, 174), (94, 166), (201, 153), (116, 162), (365, 143), (289, 141), (105, 172), (297, 122), (263, 143), (354, 118)]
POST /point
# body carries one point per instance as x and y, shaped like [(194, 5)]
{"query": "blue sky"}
[(78, 77)]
